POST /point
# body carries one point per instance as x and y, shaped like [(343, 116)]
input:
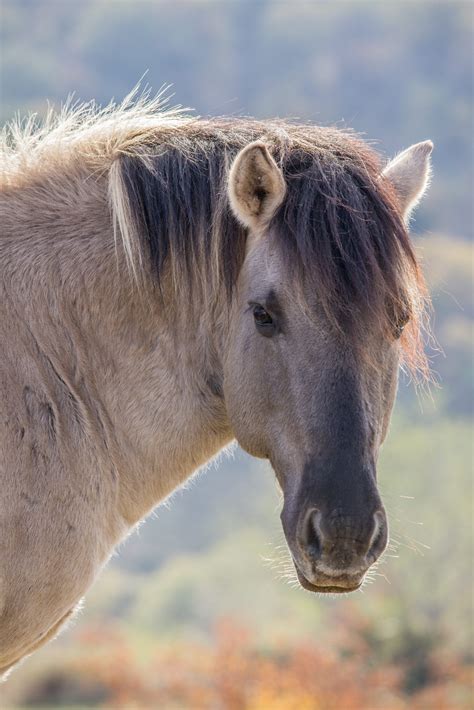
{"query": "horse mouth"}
[(341, 587)]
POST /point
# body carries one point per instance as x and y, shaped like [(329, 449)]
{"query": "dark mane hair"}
[(339, 228)]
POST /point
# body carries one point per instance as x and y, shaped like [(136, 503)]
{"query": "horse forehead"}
[(263, 265)]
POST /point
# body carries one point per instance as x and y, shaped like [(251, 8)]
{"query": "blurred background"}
[(195, 610)]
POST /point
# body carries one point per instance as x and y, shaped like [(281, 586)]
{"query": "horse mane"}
[(339, 229)]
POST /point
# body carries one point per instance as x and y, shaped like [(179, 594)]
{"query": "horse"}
[(170, 284)]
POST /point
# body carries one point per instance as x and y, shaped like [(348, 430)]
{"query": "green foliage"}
[(447, 263)]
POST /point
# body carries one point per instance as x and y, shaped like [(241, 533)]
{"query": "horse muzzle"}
[(332, 553)]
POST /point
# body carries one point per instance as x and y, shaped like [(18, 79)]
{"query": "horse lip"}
[(341, 588)]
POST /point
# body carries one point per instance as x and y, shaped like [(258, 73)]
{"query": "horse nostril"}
[(311, 538), (378, 541)]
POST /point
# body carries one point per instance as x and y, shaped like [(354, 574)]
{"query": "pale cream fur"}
[(103, 412)]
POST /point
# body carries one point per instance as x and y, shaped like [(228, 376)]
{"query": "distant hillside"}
[(399, 76)]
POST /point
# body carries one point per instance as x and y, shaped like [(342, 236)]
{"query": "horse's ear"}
[(256, 186), (409, 173)]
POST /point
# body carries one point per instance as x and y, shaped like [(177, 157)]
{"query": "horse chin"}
[(339, 586)]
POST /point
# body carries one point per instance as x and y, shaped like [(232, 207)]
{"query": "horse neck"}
[(149, 375), (165, 400)]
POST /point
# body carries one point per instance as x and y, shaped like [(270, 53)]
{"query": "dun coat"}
[(169, 284)]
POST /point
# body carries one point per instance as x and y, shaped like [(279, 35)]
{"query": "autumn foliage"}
[(232, 673)]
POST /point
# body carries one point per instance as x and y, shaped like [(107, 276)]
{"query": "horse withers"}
[(169, 284)]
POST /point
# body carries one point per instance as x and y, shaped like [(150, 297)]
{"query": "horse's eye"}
[(263, 320), (261, 316), (400, 325)]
